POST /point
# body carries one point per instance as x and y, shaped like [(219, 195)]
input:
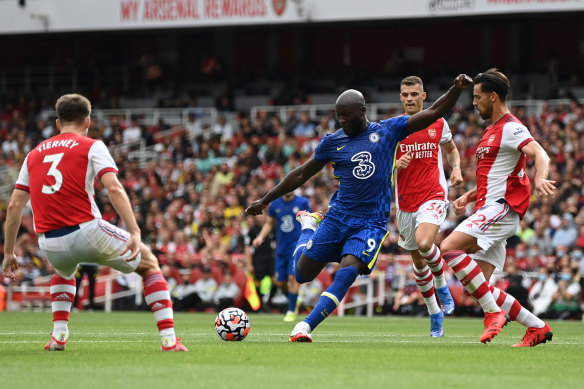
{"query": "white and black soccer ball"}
[(232, 324)]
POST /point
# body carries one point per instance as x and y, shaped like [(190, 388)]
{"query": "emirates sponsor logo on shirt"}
[(425, 146), (482, 151)]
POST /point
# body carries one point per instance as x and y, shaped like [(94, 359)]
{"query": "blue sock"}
[(292, 298), (330, 298), (305, 236)]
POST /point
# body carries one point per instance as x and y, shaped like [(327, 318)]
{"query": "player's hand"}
[(257, 241), (456, 177), (404, 161), (9, 265), (256, 208), (462, 81), (544, 187), (459, 205), (133, 245)]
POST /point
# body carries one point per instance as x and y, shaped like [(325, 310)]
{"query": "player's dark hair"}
[(412, 80), (494, 81), (73, 108)]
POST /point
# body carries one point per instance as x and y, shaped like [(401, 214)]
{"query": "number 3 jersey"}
[(287, 227), (423, 180), (363, 164), (59, 174)]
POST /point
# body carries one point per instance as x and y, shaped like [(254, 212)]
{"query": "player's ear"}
[(58, 124), (87, 122)]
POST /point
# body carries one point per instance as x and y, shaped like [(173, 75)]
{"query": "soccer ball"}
[(232, 324)]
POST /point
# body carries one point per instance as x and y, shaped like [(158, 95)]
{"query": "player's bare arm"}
[(122, 205), (266, 229), (13, 218), (441, 106), (543, 186), (460, 203), (292, 181), (404, 161), (453, 158)]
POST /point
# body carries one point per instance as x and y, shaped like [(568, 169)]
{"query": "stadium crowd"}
[(189, 199)]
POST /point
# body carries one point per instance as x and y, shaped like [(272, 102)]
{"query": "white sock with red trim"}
[(472, 278), (515, 310), (158, 299), (434, 260), (62, 294), (425, 282)]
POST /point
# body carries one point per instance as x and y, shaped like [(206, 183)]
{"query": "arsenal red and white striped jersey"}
[(501, 164), (59, 175), (423, 179)]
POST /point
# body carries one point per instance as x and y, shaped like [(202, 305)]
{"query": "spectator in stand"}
[(565, 301), (193, 126), (580, 238), (223, 129), (525, 233), (409, 300), (195, 296), (566, 234), (306, 128), (225, 294), (133, 133), (541, 293)]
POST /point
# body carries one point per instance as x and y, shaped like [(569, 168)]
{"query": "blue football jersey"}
[(287, 227), (363, 164)]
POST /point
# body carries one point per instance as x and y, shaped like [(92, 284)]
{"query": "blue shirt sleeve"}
[(322, 151), (397, 126)]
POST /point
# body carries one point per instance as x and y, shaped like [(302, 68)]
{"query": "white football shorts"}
[(432, 212), (97, 241), (491, 225)]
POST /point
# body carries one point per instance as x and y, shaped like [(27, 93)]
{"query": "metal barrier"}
[(371, 299), (40, 296)]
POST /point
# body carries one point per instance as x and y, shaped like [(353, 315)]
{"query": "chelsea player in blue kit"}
[(362, 154), (282, 214)]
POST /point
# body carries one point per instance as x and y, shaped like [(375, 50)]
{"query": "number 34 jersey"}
[(59, 174), (363, 164)]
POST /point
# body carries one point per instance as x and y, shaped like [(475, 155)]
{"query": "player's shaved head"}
[(351, 97), (350, 109)]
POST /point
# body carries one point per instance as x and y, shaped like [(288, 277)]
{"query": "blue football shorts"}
[(284, 266), (335, 238)]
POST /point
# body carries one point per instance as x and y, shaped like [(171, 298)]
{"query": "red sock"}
[(158, 299), (472, 278), (62, 295)]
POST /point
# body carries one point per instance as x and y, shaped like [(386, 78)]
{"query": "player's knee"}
[(300, 278), (425, 245), (148, 262)]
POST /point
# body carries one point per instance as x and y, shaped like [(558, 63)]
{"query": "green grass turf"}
[(121, 350)]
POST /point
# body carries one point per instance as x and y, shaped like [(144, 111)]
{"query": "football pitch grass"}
[(121, 350)]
